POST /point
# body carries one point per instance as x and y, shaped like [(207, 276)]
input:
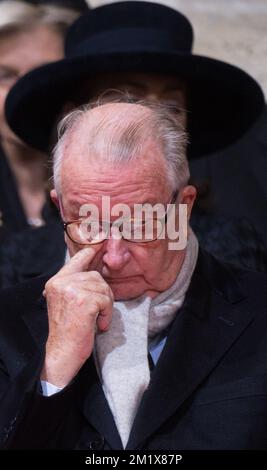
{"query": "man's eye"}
[(89, 226)]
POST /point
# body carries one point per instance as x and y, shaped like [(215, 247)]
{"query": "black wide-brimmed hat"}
[(224, 101)]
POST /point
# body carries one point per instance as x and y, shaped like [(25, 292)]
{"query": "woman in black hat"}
[(133, 38)]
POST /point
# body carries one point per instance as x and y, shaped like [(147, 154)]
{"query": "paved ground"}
[(232, 30)]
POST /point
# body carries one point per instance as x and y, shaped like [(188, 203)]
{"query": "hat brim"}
[(224, 100)]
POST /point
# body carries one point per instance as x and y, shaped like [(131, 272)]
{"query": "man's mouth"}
[(118, 279)]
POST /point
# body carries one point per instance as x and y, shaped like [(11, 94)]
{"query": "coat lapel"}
[(96, 408), (212, 318), (23, 324)]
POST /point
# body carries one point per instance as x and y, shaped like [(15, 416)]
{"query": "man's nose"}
[(116, 254)]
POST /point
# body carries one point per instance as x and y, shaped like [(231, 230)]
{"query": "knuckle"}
[(95, 305), (96, 275), (109, 300), (81, 297), (48, 284), (51, 286), (106, 290), (69, 291)]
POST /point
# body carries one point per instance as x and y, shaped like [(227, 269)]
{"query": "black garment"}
[(207, 391), (234, 241), (13, 215), (31, 253), (12, 212), (2, 233), (237, 177), (35, 251)]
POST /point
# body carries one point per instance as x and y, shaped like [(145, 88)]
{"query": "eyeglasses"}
[(84, 232)]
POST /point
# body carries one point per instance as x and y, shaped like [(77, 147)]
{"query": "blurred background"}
[(231, 30)]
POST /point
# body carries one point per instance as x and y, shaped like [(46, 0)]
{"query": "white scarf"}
[(121, 353)]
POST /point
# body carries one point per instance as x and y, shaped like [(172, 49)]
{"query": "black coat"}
[(237, 176), (208, 390), (31, 253)]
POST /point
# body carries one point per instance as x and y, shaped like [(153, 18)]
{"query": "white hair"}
[(127, 138), (18, 15)]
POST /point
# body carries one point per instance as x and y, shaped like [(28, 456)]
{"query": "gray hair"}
[(124, 145), (18, 16)]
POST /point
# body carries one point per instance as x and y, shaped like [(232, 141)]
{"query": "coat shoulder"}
[(236, 284), (17, 300)]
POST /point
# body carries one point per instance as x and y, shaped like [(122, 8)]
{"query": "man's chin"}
[(125, 290)]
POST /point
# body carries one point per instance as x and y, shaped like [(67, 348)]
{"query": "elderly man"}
[(145, 49), (132, 344)]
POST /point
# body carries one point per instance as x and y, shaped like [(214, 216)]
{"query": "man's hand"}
[(78, 302)]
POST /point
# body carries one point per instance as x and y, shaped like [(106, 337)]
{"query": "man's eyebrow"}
[(152, 202), (77, 205)]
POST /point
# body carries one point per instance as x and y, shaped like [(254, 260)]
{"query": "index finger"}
[(80, 261)]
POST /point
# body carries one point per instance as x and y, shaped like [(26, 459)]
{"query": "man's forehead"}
[(113, 111), (109, 128), (105, 195), (134, 182), (81, 159), (111, 177), (112, 117), (101, 159)]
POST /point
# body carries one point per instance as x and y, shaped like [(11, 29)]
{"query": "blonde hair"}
[(16, 16)]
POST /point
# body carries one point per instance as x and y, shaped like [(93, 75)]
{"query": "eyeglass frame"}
[(163, 220)]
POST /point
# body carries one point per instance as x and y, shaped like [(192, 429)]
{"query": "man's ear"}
[(187, 196), (55, 199)]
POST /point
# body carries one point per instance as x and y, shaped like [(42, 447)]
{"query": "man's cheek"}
[(150, 262), (97, 263), (73, 248)]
